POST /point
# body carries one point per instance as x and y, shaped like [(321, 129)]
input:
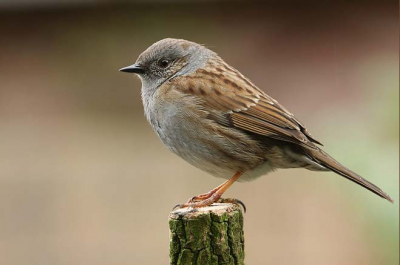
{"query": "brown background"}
[(84, 180)]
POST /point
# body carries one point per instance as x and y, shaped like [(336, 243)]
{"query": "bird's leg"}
[(213, 195)]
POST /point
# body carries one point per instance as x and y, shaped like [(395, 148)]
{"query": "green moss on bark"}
[(211, 235)]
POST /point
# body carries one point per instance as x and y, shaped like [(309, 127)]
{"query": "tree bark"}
[(210, 235)]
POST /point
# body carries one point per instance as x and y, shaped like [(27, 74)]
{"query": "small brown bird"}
[(209, 114)]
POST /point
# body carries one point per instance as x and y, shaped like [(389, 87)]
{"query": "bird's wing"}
[(233, 100)]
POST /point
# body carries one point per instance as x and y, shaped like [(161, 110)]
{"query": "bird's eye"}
[(163, 63)]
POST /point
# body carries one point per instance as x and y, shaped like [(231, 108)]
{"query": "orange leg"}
[(213, 195), (202, 197)]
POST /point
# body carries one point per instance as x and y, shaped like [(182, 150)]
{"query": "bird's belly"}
[(206, 145), (201, 150)]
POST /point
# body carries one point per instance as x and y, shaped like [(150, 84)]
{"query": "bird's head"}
[(166, 59)]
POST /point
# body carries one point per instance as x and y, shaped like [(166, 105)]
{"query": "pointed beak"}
[(134, 68)]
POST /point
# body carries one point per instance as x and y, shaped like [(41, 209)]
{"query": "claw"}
[(242, 204), (177, 206), (191, 200), (234, 201)]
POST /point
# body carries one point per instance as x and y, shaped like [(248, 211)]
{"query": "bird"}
[(212, 116)]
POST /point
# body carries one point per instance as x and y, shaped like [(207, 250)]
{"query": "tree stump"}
[(209, 235)]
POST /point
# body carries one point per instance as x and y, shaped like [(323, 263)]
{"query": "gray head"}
[(167, 59)]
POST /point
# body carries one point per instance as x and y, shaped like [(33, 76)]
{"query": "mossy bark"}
[(211, 235)]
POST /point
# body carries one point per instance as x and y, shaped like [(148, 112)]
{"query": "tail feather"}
[(327, 161)]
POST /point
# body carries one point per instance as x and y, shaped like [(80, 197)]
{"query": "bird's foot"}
[(213, 196), (202, 200), (202, 197), (209, 201)]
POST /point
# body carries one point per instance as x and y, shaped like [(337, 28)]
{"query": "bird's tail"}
[(327, 161)]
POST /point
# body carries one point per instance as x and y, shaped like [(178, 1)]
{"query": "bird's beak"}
[(134, 68)]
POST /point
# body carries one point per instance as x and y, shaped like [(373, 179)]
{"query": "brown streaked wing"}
[(244, 105), (302, 127)]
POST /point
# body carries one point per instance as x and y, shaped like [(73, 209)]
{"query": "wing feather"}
[(233, 100)]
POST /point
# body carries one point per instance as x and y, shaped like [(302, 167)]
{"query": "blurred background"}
[(84, 180)]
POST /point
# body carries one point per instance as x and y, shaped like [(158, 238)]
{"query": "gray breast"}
[(184, 129)]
